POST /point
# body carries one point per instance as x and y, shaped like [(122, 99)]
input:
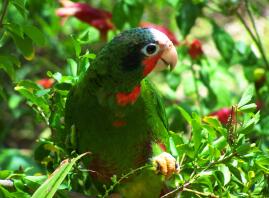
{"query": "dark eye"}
[(150, 49)]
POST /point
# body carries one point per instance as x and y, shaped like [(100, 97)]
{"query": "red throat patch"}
[(150, 64), (124, 99)]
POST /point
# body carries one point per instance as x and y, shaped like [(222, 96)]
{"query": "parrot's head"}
[(132, 55)]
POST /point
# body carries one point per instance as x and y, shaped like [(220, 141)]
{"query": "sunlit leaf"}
[(247, 96), (50, 186)]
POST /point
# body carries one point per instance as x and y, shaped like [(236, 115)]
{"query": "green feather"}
[(91, 109)]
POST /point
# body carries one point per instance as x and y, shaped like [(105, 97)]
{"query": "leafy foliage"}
[(216, 98)]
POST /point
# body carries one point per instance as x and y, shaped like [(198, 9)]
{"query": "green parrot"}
[(118, 116)]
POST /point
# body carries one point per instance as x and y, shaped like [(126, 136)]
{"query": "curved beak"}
[(169, 53)]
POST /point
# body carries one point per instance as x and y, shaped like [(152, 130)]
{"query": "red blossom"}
[(222, 114), (98, 18), (162, 29), (195, 49), (46, 82), (101, 19)]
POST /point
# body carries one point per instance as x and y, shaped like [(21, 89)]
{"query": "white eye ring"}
[(150, 49)]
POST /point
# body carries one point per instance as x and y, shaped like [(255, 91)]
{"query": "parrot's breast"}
[(119, 139)]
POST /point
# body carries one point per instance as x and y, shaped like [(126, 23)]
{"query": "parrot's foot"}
[(165, 164)]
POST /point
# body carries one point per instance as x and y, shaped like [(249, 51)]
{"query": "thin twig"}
[(253, 38), (252, 21), (200, 193), (256, 31), (179, 189), (132, 172), (4, 11)]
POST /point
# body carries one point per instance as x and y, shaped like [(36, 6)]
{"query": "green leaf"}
[(196, 132), (118, 15), (212, 121), (244, 55), (186, 15), (87, 36), (262, 162), (224, 42), (243, 149), (6, 63), (73, 66), (29, 90), (20, 6), (15, 28), (33, 182), (35, 34), (248, 108), (219, 143), (172, 147), (127, 12), (25, 45), (135, 13), (247, 96), (249, 125), (6, 194), (185, 114), (76, 46), (42, 92), (5, 173), (226, 173), (51, 185)]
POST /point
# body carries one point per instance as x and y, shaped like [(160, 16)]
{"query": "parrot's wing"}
[(155, 110), (69, 138)]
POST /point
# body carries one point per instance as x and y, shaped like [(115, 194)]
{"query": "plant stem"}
[(200, 193), (196, 90), (253, 22), (256, 32), (132, 172), (196, 176), (256, 41), (4, 11)]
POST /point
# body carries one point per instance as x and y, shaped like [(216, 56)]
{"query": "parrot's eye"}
[(150, 49)]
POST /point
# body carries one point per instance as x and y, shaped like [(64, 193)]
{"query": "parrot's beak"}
[(169, 53)]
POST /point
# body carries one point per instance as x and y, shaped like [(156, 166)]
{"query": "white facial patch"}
[(169, 55)]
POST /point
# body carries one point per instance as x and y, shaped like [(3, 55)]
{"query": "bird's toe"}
[(166, 164)]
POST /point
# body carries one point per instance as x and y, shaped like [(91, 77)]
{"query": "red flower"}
[(161, 28), (222, 114), (195, 49), (45, 82), (98, 18)]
